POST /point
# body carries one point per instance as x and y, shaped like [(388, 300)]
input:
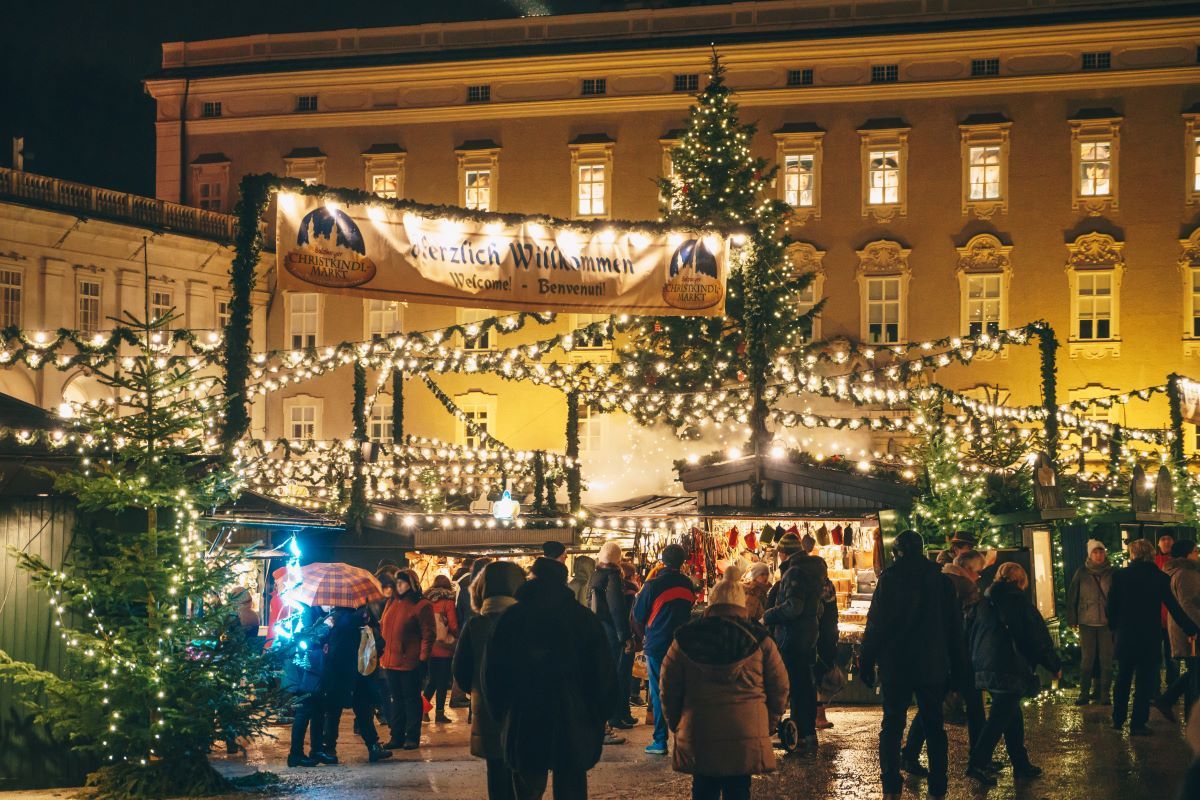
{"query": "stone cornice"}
[(792, 98)]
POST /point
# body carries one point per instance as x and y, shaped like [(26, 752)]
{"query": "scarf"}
[(497, 604)]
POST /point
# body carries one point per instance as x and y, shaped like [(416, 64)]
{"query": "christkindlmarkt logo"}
[(330, 251), (693, 284)]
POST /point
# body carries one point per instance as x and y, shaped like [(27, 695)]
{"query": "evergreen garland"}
[(1048, 348), (574, 487), (397, 406), (539, 482), (357, 510), (1175, 406)]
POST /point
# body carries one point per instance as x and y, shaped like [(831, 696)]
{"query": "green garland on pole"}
[(1175, 404), (574, 489), (1048, 346), (357, 511), (539, 482), (248, 244), (397, 406), (1116, 444)]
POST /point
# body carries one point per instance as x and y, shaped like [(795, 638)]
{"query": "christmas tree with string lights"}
[(717, 181), (949, 497), (158, 667)]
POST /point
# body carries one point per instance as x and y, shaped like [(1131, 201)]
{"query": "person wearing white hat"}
[(1086, 600)]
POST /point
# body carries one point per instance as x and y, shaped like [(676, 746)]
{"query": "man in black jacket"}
[(794, 612), (913, 637), (1134, 614), (549, 681)]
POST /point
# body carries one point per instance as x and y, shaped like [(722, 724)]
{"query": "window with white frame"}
[(985, 164), (88, 309), (210, 182), (162, 302), (478, 189), (307, 164), (1194, 274), (478, 175), (883, 310), (984, 272), (983, 304), (478, 417), (669, 143), (591, 176), (1189, 269), (210, 195), (379, 426), (1191, 125), (798, 174), (383, 170), (304, 317), (302, 421), (475, 335), (591, 430), (11, 294), (383, 318), (385, 184), (1095, 146), (592, 195), (1094, 305), (884, 177), (224, 311), (884, 163), (806, 261), (798, 153)]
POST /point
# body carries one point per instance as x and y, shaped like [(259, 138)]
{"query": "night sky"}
[(72, 70)]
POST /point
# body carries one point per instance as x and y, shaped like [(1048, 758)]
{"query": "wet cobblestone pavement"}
[(1083, 758)]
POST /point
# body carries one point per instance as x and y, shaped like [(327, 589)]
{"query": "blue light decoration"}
[(292, 617), (506, 508)]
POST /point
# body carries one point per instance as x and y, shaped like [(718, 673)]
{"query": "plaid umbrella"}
[(336, 585)]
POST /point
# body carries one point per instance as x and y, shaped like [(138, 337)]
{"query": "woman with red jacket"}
[(443, 599), (408, 630)]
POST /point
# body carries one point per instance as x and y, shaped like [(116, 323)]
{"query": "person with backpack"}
[(409, 632), (1086, 598), (550, 683), (492, 593), (913, 639), (443, 599), (664, 603), (1008, 641), (345, 685)]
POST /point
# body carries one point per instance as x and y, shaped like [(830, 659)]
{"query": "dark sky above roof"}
[(71, 72)]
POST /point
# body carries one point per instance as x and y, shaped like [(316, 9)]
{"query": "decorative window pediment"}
[(807, 259), (883, 257), (307, 164), (984, 275), (984, 253), (883, 277), (1095, 268)]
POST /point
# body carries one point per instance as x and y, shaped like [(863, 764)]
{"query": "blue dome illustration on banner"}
[(321, 222), (695, 255)]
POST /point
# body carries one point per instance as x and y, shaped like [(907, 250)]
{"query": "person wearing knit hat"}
[(664, 604), (758, 589), (788, 543), (1087, 597), (492, 592)]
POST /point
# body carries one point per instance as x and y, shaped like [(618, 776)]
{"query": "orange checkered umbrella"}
[(338, 584)]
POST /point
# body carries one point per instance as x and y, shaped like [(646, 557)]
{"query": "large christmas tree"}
[(950, 498), (717, 181), (158, 667)]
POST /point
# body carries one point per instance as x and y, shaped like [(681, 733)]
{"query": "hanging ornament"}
[(733, 536), (657, 326), (751, 540), (741, 376)]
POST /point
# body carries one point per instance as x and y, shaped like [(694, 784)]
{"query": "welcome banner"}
[(394, 254)]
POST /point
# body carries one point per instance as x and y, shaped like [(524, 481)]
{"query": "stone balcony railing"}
[(93, 201)]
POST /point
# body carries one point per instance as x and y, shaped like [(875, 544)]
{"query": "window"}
[(210, 182), (1095, 268), (478, 189), (1095, 61), (1195, 292), (687, 83), (379, 426), (984, 173), (479, 93), (1095, 146), (985, 67), (303, 319), (385, 184), (884, 177), (224, 312), (883, 276), (884, 149), (595, 341), (983, 304), (10, 297), (383, 170), (591, 174), (594, 86), (799, 77), (211, 196), (302, 422), (885, 73), (591, 190), (479, 416), (984, 147), (382, 317), (475, 336), (883, 310), (211, 109), (1093, 299), (478, 175), (89, 305), (161, 304), (307, 164), (799, 148), (1191, 172), (805, 259), (798, 171), (591, 430), (1189, 269), (306, 102)]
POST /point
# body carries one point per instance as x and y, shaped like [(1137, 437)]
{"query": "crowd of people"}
[(551, 665)]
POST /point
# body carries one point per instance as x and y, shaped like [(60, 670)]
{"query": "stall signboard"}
[(395, 254)]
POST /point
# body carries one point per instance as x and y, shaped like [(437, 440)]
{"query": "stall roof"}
[(258, 510), (647, 505)]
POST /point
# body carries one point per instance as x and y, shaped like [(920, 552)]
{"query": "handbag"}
[(444, 637), (833, 681), (641, 669), (368, 656), (1032, 683)]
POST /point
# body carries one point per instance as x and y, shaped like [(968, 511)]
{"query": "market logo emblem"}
[(330, 251), (693, 284)]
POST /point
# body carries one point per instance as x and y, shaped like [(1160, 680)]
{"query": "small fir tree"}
[(158, 667), (717, 181), (950, 498)]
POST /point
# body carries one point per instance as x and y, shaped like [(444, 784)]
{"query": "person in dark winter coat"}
[(664, 604), (1137, 592), (492, 594), (383, 693), (303, 657), (606, 598), (724, 688), (343, 687), (463, 612), (549, 682), (794, 610), (913, 640), (1184, 571), (827, 642), (1009, 639), (1086, 598), (409, 630), (581, 577), (963, 573)]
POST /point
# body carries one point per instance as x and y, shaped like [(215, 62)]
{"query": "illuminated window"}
[(161, 304), (1191, 171), (798, 151), (591, 190), (302, 422), (591, 431), (383, 318), (591, 175), (89, 305), (478, 189), (479, 175), (798, 173), (11, 281), (385, 184), (303, 319), (1094, 305), (985, 173), (883, 310), (1095, 147), (806, 260), (379, 426), (1095, 167), (885, 177), (883, 146), (383, 170), (983, 304), (984, 272)]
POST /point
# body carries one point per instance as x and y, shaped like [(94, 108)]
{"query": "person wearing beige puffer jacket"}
[(724, 688)]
